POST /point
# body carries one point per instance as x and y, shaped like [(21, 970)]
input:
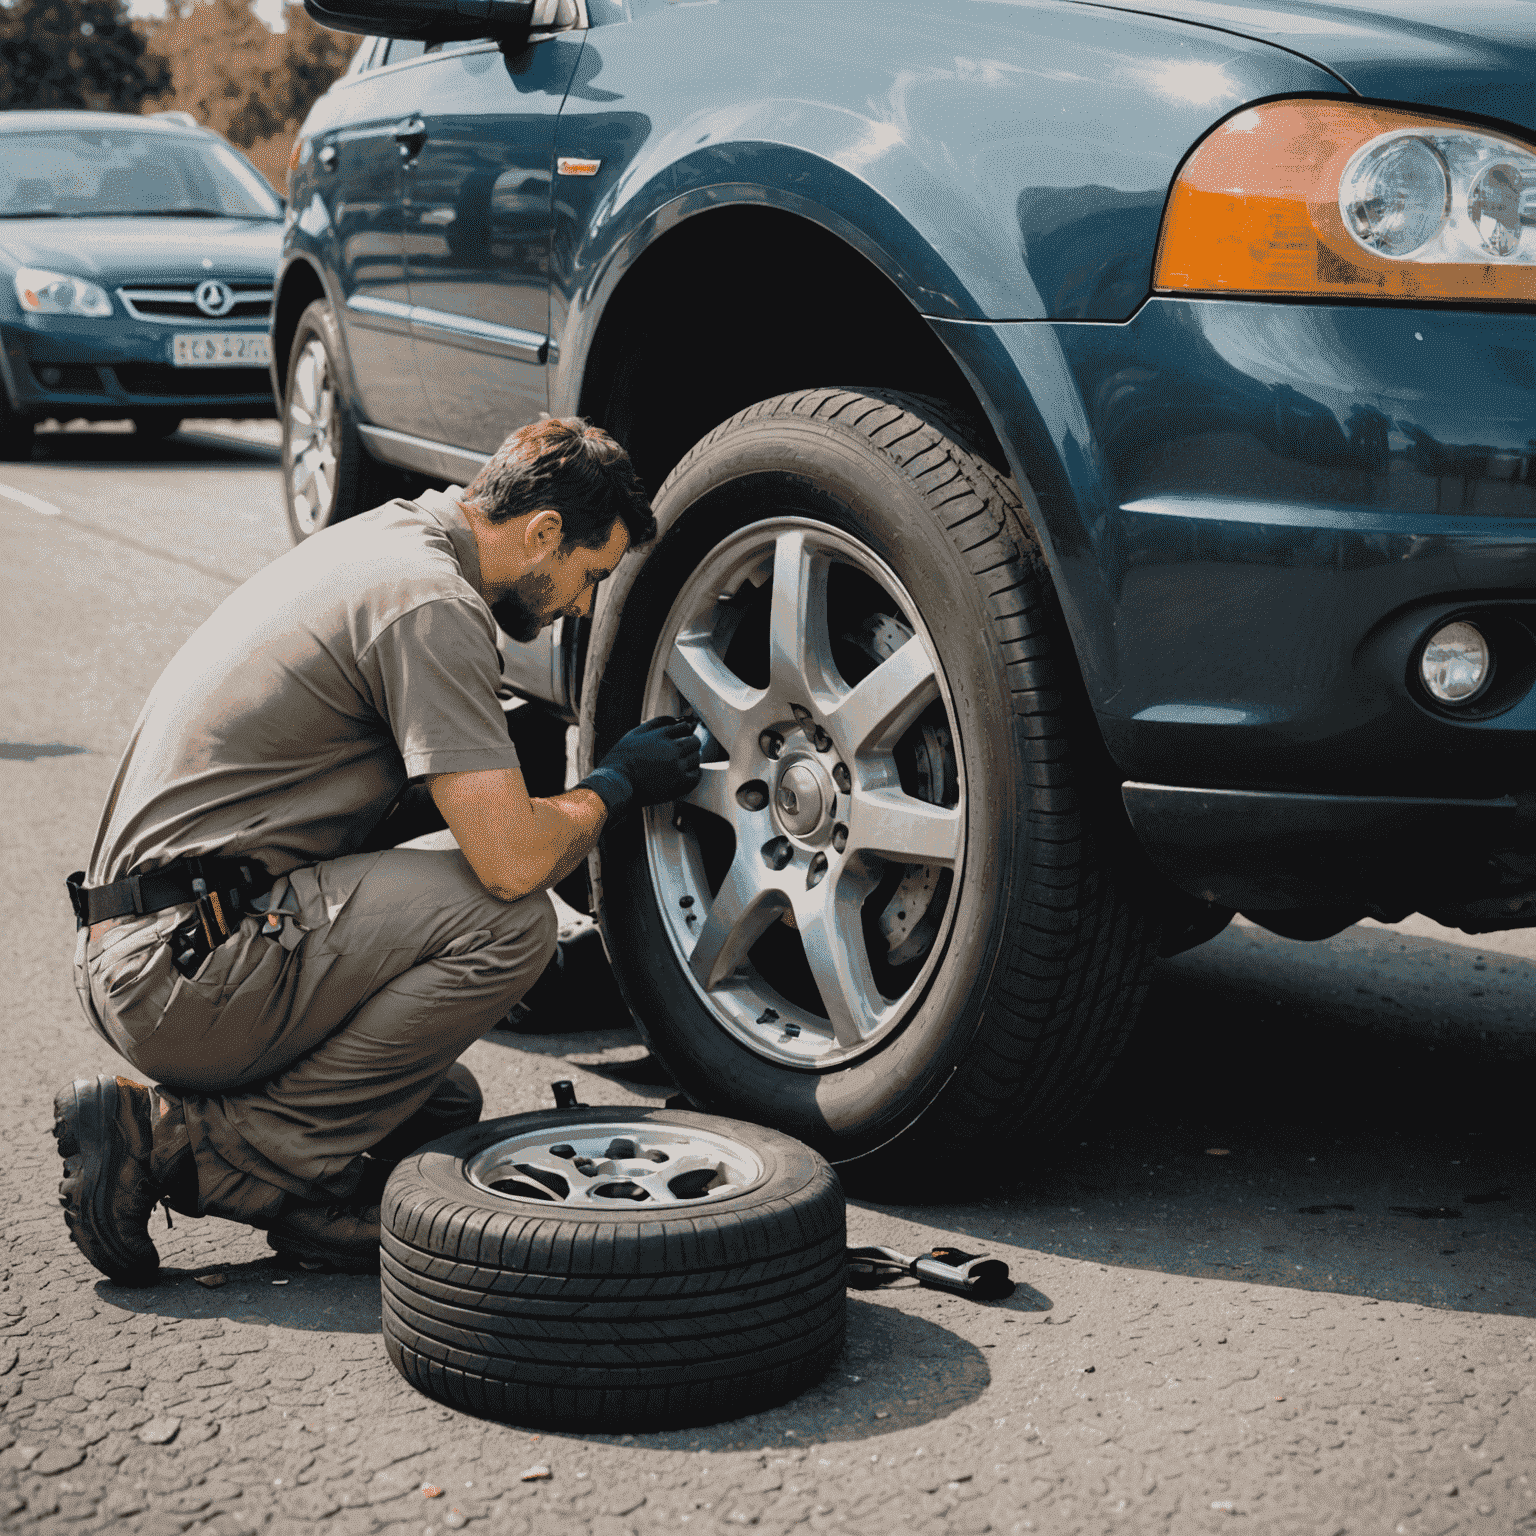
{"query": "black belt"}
[(225, 885)]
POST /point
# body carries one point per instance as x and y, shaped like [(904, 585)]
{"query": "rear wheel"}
[(895, 894), (327, 473)]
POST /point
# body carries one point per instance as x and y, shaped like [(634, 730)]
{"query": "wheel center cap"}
[(800, 802)]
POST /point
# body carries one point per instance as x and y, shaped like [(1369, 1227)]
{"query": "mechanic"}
[(252, 937)]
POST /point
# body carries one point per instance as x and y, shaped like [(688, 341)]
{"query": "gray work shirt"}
[(287, 725)]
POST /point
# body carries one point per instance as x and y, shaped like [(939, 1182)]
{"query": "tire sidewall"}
[(735, 478)]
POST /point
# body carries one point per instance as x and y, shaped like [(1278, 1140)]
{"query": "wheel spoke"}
[(797, 624), (741, 912), (304, 377), (713, 792), (873, 716), (904, 829), (718, 697), (833, 936)]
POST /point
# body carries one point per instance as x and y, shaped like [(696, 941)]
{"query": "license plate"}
[(221, 349)]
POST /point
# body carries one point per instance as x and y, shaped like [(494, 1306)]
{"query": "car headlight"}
[(57, 293), (1336, 198)]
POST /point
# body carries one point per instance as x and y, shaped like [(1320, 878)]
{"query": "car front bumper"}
[(67, 368), (1255, 513)]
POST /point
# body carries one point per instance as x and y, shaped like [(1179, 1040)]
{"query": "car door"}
[(477, 225), (361, 178)]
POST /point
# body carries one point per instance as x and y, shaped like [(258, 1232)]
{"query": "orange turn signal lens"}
[(1338, 199)]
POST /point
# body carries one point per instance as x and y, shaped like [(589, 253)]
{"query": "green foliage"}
[(76, 53)]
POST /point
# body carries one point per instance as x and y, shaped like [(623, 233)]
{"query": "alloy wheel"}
[(626, 1161), (807, 883), (312, 429)]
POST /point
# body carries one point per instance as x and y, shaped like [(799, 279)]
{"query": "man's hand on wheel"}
[(656, 762)]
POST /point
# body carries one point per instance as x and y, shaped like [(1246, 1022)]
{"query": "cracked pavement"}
[(1282, 1273)]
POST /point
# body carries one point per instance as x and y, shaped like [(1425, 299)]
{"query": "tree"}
[(244, 81), (76, 53)]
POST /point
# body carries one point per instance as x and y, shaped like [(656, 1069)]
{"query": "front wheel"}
[(893, 904), (156, 426), (327, 473)]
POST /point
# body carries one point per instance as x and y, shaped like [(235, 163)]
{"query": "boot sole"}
[(83, 1117), (309, 1256)]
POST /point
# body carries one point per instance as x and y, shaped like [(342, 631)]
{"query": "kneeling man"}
[(251, 937)]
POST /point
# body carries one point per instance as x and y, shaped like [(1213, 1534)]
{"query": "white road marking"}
[(27, 499)]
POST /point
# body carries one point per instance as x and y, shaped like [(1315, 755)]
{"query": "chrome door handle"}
[(410, 136)]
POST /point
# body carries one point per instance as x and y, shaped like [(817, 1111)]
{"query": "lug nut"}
[(772, 744), (753, 795), (820, 740), (840, 837), (800, 712), (816, 871), (842, 778), (685, 902), (777, 852)]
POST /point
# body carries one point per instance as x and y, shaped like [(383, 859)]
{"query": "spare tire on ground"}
[(613, 1269)]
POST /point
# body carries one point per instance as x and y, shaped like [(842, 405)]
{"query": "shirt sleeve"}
[(434, 673)]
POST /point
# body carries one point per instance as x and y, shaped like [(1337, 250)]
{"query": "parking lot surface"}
[(1282, 1273)]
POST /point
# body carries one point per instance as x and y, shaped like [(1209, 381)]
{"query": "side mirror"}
[(427, 21)]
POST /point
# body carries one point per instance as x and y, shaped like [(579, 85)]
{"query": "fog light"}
[(52, 377), (1456, 663)]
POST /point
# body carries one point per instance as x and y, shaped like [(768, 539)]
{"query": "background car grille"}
[(161, 379), (173, 301)]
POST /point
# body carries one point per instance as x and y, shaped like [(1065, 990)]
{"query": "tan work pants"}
[(313, 1031)]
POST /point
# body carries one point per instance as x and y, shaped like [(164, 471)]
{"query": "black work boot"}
[(105, 1133), (319, 1236)]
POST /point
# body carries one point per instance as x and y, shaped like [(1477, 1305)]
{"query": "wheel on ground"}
[(891, 915), (16, 435), (156, 425), (327, 473), (613, 1269)]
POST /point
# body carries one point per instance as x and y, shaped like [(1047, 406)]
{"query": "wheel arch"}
[(824, 312), (299, 285), (822, 295)]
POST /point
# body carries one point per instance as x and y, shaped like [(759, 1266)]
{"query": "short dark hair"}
[(573, 468)]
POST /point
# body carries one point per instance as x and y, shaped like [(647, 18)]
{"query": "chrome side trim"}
[(441, 460), (397, 315), (481, 335)]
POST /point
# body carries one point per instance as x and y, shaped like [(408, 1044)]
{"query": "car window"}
[(459, 46), (85, 173), (403, 48)]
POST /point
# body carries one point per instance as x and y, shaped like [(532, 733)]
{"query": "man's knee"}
[(531, 928)]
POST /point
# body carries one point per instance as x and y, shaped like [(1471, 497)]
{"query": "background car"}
[(1093, 452), (136, 268)]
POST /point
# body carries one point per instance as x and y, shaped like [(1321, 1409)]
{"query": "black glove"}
[(653, 763)]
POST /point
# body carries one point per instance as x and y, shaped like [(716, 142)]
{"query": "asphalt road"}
[(1282, 1273)]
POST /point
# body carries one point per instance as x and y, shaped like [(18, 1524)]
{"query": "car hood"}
[(157, 249), (1463, 56)]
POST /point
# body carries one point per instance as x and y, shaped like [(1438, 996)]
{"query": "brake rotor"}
[(905, 922)]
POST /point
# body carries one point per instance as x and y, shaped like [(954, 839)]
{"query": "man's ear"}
[(541, 538)]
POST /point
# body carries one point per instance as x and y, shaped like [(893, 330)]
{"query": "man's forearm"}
[(577, 816)]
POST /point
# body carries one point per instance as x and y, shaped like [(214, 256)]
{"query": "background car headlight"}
[(1337, 198), (57, 293), (1456, 663)]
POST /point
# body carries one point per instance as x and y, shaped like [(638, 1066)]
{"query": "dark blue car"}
[(1095, 452), (136, 265)]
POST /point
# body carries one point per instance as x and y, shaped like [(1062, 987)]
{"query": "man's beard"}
[(521, 610)]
